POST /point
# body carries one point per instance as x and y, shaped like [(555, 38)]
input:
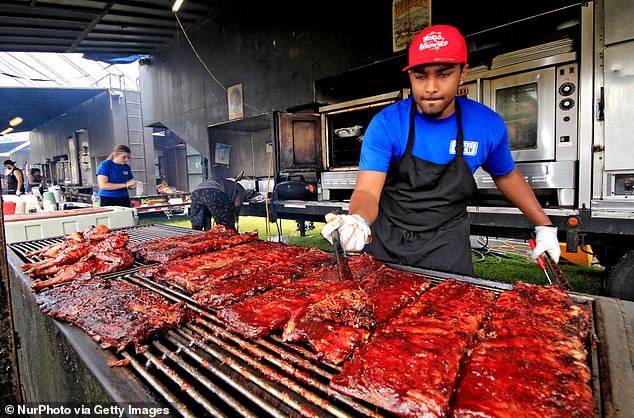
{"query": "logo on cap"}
[(433, 40), (437, 44)]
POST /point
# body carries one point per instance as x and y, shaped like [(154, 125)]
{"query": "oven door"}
[(526, 102)]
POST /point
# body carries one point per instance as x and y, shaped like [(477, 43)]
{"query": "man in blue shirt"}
[(417, 163)]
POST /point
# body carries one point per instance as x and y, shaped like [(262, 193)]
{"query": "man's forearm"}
[(365, 205)]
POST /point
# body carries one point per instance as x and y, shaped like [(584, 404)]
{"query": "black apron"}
[(422, 218)]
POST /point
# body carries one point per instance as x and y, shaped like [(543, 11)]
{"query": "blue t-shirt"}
[(486, 141), (116, 173)]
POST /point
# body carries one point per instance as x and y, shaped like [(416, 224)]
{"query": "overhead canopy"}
[(38, 105), (111, 31), (121, 27)]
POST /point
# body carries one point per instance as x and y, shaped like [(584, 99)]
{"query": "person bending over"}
[(218, 198)]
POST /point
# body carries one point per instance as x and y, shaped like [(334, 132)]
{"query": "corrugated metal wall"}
[(275, 49), (111, 118)]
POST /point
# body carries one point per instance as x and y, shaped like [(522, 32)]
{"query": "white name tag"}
[(469, 148)]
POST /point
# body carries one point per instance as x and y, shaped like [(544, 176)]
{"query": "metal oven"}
[(538, 106), (538, 100), (343, 125)]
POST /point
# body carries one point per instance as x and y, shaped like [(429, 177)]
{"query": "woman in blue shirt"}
[(114, 176)]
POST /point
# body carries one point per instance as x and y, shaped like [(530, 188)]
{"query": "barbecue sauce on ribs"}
[(113, 312), (411, 364), (529, 359)]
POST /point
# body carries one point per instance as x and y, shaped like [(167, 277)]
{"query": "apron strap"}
[(459, 136), (412, 129)]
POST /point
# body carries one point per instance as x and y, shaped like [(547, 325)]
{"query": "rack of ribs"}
[(172, 248), (334, 326), (199, 272), (116, 259), (75, 252), (191, 272), (223, 293), (262, 314), (334, 339), (113, 312), (157, 244), (92, 234), (411, 364), (529, 359), (49, 266)]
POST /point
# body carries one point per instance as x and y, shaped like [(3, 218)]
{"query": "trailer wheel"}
[(619, 282), (608, 256)]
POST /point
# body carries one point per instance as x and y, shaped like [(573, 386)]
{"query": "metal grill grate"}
[(202, 369), (136, 233), (265, 377)]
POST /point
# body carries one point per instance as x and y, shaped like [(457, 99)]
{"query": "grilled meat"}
[(199, 272), (168, 249), (48, 266), (332, 342), (95, 233), (255, 261), (262, 314), (113, 312), (53, 250), (111, 242), (119, 363), (94, 263), (187, 272), (529, 359), (91, 234), (387, 290), (349, 306), (74, 253), (334, 325), (411, 364), (391, 289), (222, 293), (156, 244)]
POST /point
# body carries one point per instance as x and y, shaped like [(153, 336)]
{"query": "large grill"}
[(202, 369)]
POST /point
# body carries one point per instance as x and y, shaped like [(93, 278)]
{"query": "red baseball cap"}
[(437, 44)]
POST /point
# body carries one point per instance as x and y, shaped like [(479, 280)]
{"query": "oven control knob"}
[(566, 89), (566, 104)]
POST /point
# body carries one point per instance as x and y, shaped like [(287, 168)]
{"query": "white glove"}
[(354, 232), (546, 241)]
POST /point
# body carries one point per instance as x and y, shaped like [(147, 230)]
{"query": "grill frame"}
[(236, 363)]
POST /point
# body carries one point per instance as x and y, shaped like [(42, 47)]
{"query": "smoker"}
[(203, 369), (343, 125), (325, 145)]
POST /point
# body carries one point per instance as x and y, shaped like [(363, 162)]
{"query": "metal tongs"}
[(342, 261), (551, 269)]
